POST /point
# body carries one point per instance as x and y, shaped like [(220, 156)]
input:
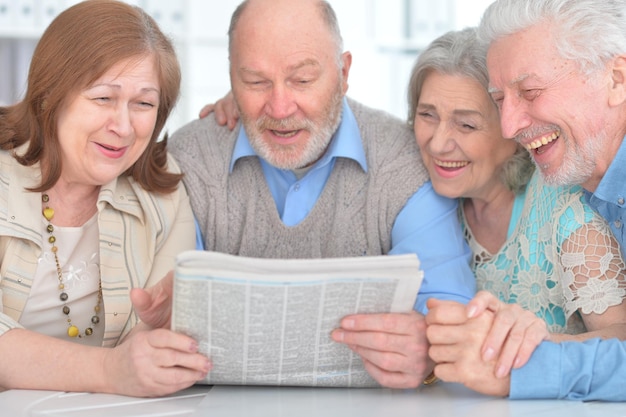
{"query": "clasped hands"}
[(478, 344), (475, 344)]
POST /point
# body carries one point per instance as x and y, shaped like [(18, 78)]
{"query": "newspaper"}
[(268, 321)]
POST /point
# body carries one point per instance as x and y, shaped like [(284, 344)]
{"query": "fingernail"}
[(193, 347), (489, 354), (208, 365), (501, 371), (517, 363), (337, 335), (471, 311), (347, 324)]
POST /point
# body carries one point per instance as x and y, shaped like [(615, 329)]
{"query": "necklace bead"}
[(72, 330), (48, 213)]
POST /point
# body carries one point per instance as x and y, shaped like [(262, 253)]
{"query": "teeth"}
[(543, 141), (451, 164), (285, 134)]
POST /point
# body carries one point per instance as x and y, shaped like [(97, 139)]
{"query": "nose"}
[(442, 140), (121, 122), (281, 102), (514, 116)]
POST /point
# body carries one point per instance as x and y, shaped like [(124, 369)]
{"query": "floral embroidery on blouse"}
[(561, 259)]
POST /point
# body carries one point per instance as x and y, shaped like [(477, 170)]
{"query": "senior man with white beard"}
[(308, 173)]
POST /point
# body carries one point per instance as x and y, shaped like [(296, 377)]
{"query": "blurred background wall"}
[(384, 36)]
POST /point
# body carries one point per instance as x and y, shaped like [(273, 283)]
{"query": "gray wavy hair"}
[(589, 32), (461, 53)]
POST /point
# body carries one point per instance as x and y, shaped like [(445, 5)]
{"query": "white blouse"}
[(78, 252)]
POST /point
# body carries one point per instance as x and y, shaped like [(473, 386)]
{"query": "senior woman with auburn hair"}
[(92, 210), (541, 249)]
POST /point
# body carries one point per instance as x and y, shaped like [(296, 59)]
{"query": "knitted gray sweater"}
[(353, 216)]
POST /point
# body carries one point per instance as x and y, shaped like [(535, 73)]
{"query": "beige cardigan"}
[(140, 235)]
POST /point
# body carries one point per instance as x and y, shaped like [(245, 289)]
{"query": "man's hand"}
[(226, 112), (514, 335), (456, 345), (393, 346), (153, 363)]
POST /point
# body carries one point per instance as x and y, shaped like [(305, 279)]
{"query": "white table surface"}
[(236, 401)]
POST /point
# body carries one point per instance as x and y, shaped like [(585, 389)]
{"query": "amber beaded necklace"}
[(72, 330)]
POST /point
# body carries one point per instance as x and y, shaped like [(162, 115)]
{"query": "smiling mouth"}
[(110, 148), (536, 145), (451, 165), (285, 133)]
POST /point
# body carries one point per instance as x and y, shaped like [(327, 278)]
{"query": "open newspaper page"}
[(268, 321)]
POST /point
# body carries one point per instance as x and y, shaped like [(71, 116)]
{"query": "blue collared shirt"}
[(428, 224), (609, 199)]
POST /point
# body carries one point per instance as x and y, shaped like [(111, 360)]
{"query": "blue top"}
[(591, 370), (428, 224), (609, 199)]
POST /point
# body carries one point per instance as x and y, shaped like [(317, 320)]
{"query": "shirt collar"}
[(612, 183), (346, 143)]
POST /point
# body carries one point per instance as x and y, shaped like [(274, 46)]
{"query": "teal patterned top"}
[(559, 260)]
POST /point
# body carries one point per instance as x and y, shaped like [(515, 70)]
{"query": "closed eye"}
[(531, 94), (425, 115), (467, 127), (255, 82)]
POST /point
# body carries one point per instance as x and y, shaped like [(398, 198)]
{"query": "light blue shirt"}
[(428, 225), (591, 370), (609, 199)]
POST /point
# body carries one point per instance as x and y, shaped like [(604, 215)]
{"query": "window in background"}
[(385, 39)]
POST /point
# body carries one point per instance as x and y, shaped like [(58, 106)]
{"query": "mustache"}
[(533, 132), (290, 123)]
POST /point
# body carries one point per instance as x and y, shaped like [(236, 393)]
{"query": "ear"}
[(346, 60), (617, 88)]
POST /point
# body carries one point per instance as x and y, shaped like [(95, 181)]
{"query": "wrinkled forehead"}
[(274, 51), (527, 53)]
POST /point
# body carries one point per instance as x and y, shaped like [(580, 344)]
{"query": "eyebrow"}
[(458, 112), (305, 63), (117, 87), (292, 68), (493, 90)]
